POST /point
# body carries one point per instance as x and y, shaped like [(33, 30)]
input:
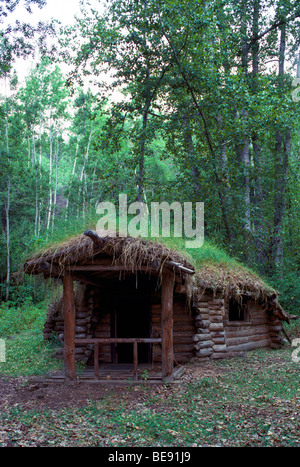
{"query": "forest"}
[(163, 101), (188, 101)]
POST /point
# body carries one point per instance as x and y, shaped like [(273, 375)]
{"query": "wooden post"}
[(167, 287), (135, 360), (69, 328), (96, 359)]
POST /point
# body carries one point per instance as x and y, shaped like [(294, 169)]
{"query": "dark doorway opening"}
[(132, 319)]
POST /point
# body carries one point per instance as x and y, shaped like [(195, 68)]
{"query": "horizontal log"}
[(102, 335), (81, 315), (201, 310), (244, 339), (218, 334), (176, 319), (216, 319), (249, 331), (183, 348), (204, 323), (81, 322), (180, 333), (118, 340), (201, 337), (219, 348), (202, 304), (202, 317), (204, 352), (203, 344), (203, 331), (275, 328), (218, 340), (218, 312), (250, 345), (81, 336), (259, 321), (104, 328), (216, 301), (182, 341), (216, 327), (220, 355), (215, 308)]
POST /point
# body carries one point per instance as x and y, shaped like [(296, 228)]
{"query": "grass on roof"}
[(215, 265)]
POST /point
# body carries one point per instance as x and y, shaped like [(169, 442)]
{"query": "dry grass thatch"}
[(231, 281), (227, 279), (125, 251)]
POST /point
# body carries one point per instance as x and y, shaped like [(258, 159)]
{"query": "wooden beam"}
[(119, 340), (180, 266), (69, 328), (167, 288), (99, 268)]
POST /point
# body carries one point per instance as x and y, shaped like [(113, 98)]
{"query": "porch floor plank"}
[(116, 374)]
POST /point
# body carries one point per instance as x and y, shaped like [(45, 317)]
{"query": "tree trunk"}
[(71, 181), (7, 204), (7, 218), (282, 149), (49, 212), (190, 148), (244, 152), (55, 185), (143, 138)]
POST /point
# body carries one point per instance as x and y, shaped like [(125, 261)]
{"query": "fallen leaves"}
[(242, 402)]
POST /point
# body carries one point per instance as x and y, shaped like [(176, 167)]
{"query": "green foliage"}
[(193, 120), (14, 319), (27, 354), (21, 328)]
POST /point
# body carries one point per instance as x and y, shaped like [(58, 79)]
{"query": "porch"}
[(118, 373)]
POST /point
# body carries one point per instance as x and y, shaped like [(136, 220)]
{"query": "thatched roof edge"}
[(135, 252)]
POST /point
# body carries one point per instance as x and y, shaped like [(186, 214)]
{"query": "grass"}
[(251, 401), (26, 351), (28, 354)]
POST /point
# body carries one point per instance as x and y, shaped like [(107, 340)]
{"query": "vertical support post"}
[(69, 328), (167, 287), (96, 359), (135, 360)]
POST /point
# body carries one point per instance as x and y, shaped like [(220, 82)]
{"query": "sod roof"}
[(213, 269)]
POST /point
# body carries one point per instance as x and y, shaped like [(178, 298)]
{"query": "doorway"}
[(132, 318)]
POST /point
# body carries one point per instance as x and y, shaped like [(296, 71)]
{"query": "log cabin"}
[(133, 301)]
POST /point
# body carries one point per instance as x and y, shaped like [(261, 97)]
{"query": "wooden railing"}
[(118, 340)]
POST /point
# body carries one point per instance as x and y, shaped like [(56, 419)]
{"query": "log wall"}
[(183, 330), (84, 307), (205, 332), (217, 337)]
